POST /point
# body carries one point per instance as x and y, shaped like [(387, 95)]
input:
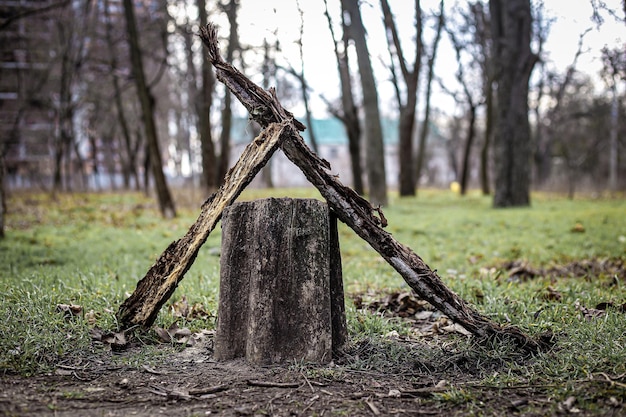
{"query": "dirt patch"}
[(398, 376), (192, 383)]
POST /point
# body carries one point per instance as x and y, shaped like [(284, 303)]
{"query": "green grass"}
[(92, 249)]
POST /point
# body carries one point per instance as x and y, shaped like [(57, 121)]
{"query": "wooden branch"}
[(271, 384), (358, 213), (262, 106), (163, 277)]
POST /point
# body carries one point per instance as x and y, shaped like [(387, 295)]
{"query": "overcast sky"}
[(270, 18)]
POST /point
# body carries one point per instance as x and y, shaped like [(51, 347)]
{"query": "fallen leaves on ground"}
[(600, 309), (400, 304), (115, 340), (520, 270), (406, 305), (183, 336), (182, 309)]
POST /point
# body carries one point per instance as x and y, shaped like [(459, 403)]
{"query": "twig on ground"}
[(307, 381), (270, 384), (372, 407), (208, 390)]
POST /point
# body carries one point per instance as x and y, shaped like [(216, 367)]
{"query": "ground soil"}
[(189, 382)]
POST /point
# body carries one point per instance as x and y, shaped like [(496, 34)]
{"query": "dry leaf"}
[(198, 311), (568, 405), (175, 334), (589, 313), (521, 271), (456, 328), (91, 317), (116, 340), (163, 334), (180, 308), (394, 393), (69, 310)]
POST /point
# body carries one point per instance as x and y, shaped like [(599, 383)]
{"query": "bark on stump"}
[(281, 291)]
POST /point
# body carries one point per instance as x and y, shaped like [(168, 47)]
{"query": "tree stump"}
[(281, 290)]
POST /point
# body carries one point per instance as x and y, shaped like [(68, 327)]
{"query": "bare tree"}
[(129, 168), (471, 93), (421, 147), (511, 23), (166, 204), (348, 112), (304, 88), (408, 104), (547, 122), (614, 70), (483, 39), (71, 42), (203, 108), (268, 69), (374, 151), (230, 9), (581, 137), (25, 13)]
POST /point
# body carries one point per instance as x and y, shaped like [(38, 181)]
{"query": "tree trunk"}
[(483, 39), (469, 140), (304, 87), (484, 152), (374, 150), (203, 107), (269, 71), (224, 158), (147, 167), (406, 180), (613, 139), (166, 204), (349, 114), (276, 282), (227, 114), (421, 146), (511, 28), (129, 164)]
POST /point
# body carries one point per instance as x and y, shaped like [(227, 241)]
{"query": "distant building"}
[(26, 122), (332, 142), (30, 74)]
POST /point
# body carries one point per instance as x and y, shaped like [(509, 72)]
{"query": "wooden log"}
[(155, 288), (276, 276), (357, 212)]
